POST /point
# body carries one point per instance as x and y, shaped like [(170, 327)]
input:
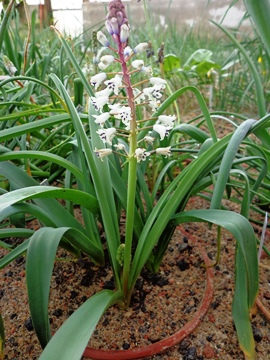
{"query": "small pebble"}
[(73, 294), (58, 312), (183, 265), (184, 345), (29, 325), (257, 334), (191, 354)]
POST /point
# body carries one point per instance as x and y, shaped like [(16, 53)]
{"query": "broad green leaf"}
[(39, 266), (173, 98), (199, 56), (32, 192), (19, 179), (246, 265), (18, 251), (193, 131), (259, 12), (240, 308), (43, 155), (174, 195), (100, 176), (203, 67), (171, 62), (71, 339)]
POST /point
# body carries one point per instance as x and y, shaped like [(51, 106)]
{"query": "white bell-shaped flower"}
[(158, 81), (102, 39), (101, 119), (106, 135), (99, 102), (114, 84), (101, 153), (167, 120), (164, 151), (140, 48), (162, 130), (137, 64), (98, 79), (141, 154)]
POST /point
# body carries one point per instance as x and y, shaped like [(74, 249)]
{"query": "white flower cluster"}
[(124, 110)]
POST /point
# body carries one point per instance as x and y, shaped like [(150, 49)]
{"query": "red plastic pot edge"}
[(164, 344)]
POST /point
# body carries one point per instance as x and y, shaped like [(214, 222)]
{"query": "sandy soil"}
[(161, 304)]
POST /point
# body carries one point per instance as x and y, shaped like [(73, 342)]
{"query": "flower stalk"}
[(122, 97)]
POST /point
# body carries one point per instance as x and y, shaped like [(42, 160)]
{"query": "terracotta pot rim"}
[(172, 340)]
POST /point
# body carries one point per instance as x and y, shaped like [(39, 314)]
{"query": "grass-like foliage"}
[(116, 149)]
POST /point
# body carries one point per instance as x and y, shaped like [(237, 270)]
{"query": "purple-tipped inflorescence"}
[(116, 17), (122, 97)]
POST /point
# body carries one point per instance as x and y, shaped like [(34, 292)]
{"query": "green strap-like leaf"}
[(39, 266), (259, 12), (71, 339), (32, 192), (19, 250), (227, 160), (246, 274)]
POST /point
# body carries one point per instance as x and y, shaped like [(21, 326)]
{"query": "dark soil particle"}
[(29, 325), (109, 285), (191, 354), (183, 265), (257, 334), (87, 279), (125, 346), (58, 312)]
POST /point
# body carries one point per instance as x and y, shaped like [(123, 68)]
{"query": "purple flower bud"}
[(120, 18), (115, 26)]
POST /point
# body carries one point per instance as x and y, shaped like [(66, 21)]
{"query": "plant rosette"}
[(168, 342)]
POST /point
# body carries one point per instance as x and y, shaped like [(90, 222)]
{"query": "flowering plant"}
[(128, 124)]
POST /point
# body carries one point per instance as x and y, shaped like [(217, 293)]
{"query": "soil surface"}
[(161, 304)]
